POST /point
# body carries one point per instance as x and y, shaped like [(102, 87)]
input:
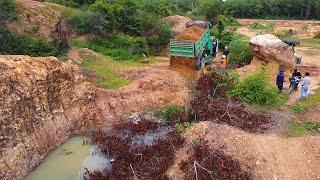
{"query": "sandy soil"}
[(295, 25), (267, 156)]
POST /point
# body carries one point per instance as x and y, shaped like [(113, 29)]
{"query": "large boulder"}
[(270, 48), (42, 103)]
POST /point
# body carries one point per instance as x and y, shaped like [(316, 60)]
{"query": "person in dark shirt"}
[(296, 73), (280, 80), (226, 51)]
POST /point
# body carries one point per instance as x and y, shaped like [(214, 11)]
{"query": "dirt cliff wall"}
[(42, 103)]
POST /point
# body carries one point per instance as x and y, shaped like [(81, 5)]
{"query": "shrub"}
[(304, 27), (7, 11), (284, 34), (118, 47), (256, 89), (182, 127), (72, 3), (240, 52), (270, 27), (89, 22), (160, 37), (225, 30), (12, 43), (257, 26), (317, 35), (171, 113)]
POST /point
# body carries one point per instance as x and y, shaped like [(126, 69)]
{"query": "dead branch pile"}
[(210, 103), (138, 162), (205, 163)]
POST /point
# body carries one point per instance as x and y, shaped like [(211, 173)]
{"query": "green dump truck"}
[(193, 54)]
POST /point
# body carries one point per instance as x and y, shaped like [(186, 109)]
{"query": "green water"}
[(64, 163)]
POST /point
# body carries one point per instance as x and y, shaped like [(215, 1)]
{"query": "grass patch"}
[(102, 72), (63, 57), (258, 108), (182, 127), (310, 42), (171, 113), (298, 129), (301, 105)]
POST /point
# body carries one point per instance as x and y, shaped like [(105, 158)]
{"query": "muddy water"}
[(67, 162)]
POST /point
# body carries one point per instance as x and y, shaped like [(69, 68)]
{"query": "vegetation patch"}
[(182, 127), (310, 42), (210, 102), (225, 30), (7, 11), (240, 52), (256, 89), (299, 129), (118, 47), (171, 114), (103, 73), (301, 105), (12, 43)]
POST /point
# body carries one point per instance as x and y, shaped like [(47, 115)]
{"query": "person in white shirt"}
[(306, 81)]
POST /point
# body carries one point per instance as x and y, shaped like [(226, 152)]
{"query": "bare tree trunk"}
[(308, 10)]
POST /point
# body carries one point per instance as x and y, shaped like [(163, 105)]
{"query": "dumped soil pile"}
[(210, 102), (179, 22), (185, 65), (193, 33), (144, 150), (206, 163)]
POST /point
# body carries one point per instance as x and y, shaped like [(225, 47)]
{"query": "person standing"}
[(226, 51), (280, 80), (306, 81), (223, 62)]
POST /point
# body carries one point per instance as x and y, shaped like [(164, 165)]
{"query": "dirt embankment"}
[(42, 103)]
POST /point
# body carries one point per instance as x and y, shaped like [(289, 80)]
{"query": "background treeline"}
[(265, 9), (124, 29)]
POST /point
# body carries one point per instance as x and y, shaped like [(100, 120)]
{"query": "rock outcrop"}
[(269, 48), (42, 103)]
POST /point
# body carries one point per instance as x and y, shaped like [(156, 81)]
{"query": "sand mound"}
[(179, 22), (193, 33)]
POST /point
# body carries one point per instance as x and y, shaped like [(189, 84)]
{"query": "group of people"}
[(294, 80)]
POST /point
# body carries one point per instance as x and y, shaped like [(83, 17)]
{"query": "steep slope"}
[(37, 19), (42, 103)]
